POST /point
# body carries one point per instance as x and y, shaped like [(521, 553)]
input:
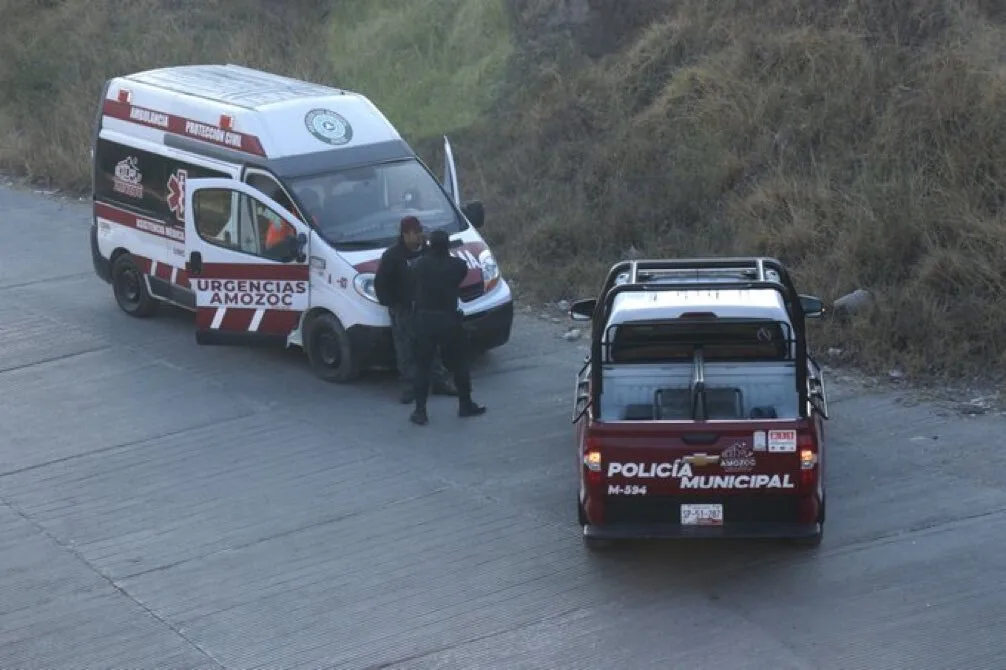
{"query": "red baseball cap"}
[(411, 224)]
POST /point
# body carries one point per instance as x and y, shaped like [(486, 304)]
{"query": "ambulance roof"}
[(234, 85), (271, 116)]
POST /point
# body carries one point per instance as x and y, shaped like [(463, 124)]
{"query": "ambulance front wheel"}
[(329, 350), (130, 288)]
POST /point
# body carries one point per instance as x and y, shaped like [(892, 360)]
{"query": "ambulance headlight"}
[(364, 284), (490, 270)]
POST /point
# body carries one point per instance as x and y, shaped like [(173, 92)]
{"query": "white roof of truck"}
[(272, 116), (762, 303)]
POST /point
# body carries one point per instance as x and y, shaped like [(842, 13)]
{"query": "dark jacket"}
[(393, 282), (438, 282)]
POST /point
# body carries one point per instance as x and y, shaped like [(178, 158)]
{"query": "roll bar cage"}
[(697, 274)]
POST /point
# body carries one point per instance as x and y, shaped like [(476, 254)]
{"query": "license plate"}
[(702, 515)]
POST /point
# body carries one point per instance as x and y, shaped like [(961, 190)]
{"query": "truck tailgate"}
[(671, 458)]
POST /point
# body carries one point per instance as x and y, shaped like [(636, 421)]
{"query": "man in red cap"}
[(394, 286)]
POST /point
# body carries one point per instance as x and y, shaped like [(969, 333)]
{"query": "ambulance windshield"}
[(361, 207)]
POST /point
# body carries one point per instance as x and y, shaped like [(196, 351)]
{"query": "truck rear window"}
[(718, 340)]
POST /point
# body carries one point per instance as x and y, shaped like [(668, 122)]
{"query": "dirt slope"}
[(862, 142)]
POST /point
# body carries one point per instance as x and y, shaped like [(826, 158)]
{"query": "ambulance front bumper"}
[(490, 328)]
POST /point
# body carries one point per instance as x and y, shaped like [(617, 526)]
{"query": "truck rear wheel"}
[(595, 544), (130, 288), (812, 541), (329, 350)]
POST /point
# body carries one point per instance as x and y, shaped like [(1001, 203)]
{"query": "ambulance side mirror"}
[(292, 249), (299, 243), (475, 212)]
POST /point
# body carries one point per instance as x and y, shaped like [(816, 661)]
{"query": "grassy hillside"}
[(863, 142)]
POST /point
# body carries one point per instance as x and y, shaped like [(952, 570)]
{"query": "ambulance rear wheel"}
[(130, 288), (330, 351)]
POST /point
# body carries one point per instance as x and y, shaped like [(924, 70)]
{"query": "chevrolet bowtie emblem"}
[(699, 460)]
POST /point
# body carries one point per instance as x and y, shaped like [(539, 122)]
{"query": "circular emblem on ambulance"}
[(328, 126)]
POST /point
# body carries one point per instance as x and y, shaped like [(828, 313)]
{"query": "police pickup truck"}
[(698, 412)]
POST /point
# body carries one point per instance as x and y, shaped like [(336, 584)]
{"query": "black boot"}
[(469, 408), (419, 417)]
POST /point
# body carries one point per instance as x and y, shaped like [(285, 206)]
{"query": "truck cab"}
[(698, 411)]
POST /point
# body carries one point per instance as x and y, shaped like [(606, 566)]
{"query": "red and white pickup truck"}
[(698, 411)]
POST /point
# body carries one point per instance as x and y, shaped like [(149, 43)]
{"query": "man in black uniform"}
[(438, 278), (394, 287)]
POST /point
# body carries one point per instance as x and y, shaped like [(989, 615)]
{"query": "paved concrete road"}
[(169, 505)]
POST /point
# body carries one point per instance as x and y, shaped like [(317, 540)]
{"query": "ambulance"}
[(263, 204)]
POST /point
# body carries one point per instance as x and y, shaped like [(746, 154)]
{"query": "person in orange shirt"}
[(277, 231)]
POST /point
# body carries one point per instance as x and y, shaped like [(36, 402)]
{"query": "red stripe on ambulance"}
[(240, 319), (143, 264), (469, 253), (276, 321), (143, 224), (179, 125), (236, 319), (262, 271)]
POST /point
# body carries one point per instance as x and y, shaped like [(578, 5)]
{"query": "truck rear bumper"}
[(662, 531)]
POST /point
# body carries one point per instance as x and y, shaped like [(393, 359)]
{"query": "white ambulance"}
[(263, 204)]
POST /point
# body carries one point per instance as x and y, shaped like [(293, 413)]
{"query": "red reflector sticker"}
[(781, 441)]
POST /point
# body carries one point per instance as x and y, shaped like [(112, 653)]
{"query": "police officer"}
[(394, 287), (438, 277)]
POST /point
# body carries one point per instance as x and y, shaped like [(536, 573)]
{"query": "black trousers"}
[(403, 333), (441, 330)]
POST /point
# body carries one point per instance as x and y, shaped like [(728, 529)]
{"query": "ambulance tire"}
[(329, 350), (130, 289)]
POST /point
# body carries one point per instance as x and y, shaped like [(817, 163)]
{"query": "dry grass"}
[(862, 142), (55, 55), (432, 67)]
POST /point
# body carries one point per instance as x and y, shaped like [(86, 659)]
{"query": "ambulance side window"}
[(236, 221), (271, 188), (216, 217), (130, 178), (144, 182)]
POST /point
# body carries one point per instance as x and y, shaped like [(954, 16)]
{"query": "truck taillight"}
[(807, 447), (592, 462)]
